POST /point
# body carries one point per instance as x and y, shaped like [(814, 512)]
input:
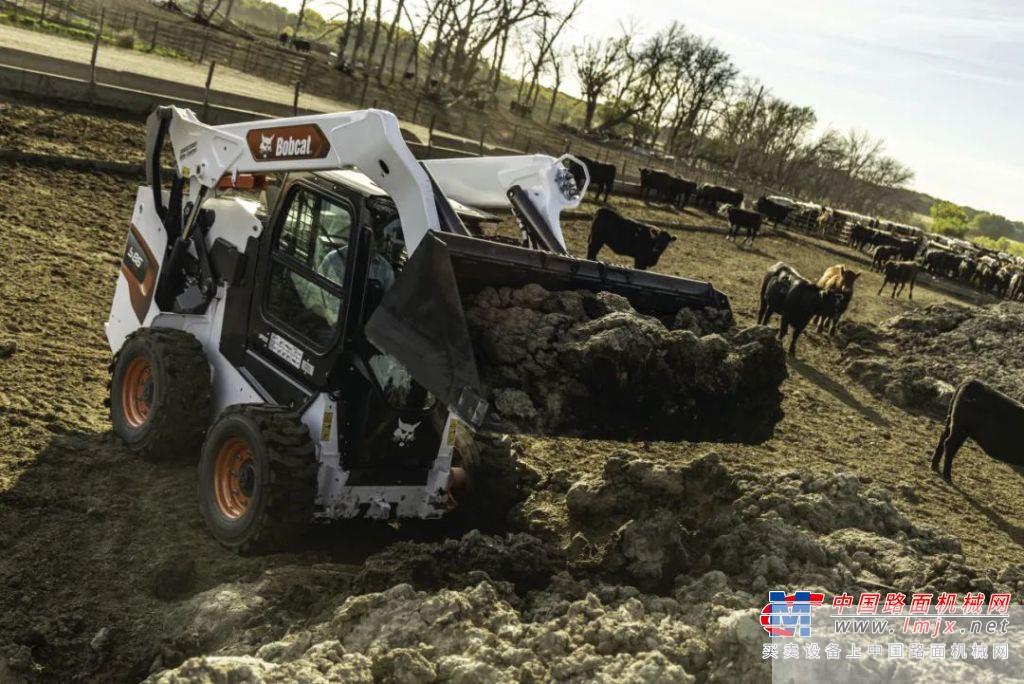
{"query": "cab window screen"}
[(306, 287)]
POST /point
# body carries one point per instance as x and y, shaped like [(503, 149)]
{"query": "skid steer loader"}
[(314, 352)]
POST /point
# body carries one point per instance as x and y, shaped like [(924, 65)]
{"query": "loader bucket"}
[(421, 320)]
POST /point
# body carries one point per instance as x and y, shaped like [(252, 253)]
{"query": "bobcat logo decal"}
[(298, 141), (405, 433), (266, 144)]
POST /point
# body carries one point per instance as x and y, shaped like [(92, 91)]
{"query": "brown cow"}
[(899, 273), (838, 279)]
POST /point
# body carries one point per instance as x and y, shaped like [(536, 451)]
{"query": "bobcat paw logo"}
[(405, 433), (266, 144)]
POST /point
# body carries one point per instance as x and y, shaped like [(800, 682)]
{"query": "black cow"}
[(796, 299), (282, 38), (883, 255), (602, 177), (409, 75), (301, 45), (990, 418), (710, 196), (965, 272), (941, 262), (627, 237), (741, 218), (773, 210), (900, 274), (666, 187)]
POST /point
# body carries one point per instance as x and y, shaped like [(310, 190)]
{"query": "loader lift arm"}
[(369, 140)]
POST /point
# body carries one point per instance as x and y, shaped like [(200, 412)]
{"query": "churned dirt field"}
[(107, 574)]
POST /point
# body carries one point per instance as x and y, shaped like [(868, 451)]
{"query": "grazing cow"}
[(826, 218), (941, 262), (602, 177), (741, 218), (796, 299), (990, 418), (775, 209), (301, 45), (837, 279), (900, 273), (666, 187), (859, 236), (965, 271), (710, 196), (627, 237), (1016, 286), (884, 254), (409, 75)]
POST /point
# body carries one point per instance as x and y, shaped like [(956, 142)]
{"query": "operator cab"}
[(331, 249)]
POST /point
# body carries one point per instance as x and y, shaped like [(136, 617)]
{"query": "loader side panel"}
[(145, 245)]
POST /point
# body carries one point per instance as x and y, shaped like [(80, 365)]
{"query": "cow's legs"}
[(884, 283), (593, 247), (792, 341), (937, 456), (911, 295), (954, 441)]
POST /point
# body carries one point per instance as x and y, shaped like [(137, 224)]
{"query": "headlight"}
[(567, 184)]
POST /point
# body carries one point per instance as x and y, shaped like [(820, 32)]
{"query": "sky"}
[(942, 81)]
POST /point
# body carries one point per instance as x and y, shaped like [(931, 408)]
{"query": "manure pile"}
[(662, 581), (579, 363), (916, 359)]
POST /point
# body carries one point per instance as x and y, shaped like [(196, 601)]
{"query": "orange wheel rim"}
[(137, 391), (234, 477)]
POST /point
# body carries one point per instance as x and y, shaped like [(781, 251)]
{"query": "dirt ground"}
[(98, 551)]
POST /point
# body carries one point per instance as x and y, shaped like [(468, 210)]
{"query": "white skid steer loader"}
[(315, 354)]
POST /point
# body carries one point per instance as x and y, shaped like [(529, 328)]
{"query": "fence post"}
[(202, 50), (362, 97), (295, 101), (96, 49), (42, 12), (430, 133), (416, 108), (156, 30), (483, 133), (135, 24), (206, 91)]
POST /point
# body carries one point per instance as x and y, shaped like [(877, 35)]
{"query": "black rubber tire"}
[(280, 507), (180, 401), (497, 481)]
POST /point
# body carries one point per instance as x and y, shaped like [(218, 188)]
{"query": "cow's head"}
[(659, 244), (849, 277), (832, 302)]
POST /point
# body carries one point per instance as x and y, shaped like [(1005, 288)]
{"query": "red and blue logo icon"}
[(789, 615)]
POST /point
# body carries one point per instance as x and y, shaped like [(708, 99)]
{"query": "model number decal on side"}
[(135, 259), (285, 349)]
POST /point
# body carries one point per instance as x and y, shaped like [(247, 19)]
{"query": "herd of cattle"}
[(898, 256), (995, 421)]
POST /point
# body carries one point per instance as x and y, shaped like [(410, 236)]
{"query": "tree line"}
[(672, 91)]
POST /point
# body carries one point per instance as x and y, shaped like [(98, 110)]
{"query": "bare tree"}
[(597, 64), (546, 33), (387, 43)]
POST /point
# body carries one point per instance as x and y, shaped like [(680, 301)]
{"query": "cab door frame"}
[(285, 367)]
